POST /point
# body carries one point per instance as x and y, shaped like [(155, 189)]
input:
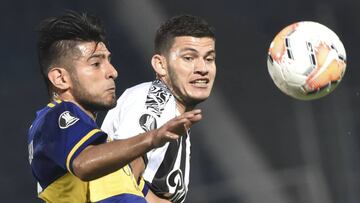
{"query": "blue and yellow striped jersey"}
[(119, 186), (59, 133)]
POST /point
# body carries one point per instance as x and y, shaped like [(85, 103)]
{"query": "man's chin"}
[(108, 106), (98, 106), (195, 101)]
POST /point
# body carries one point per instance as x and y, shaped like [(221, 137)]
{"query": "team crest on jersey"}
[(147, 122), (67, 119)]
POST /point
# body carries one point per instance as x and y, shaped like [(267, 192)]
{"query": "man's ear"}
[(60, 78), (159, 64)]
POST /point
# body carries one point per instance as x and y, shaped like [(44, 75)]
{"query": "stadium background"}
[(254, 145)]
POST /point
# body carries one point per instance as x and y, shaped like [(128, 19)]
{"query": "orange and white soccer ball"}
[(306, 60)]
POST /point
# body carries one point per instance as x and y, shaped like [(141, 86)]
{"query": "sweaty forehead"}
[(196, 43), (86, 49)]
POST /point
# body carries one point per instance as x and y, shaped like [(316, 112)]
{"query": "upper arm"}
[(152, 198), (68, 131), (137, 167)]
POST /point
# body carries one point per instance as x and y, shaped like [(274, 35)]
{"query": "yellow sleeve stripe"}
[(76, 147), (52, 105)]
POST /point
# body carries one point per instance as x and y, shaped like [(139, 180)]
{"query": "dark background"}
[(254, 145)]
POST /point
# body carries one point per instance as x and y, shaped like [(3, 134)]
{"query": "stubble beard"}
[(89, 101), (187, 101)]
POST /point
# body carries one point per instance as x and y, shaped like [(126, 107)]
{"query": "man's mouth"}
[(200, 81)]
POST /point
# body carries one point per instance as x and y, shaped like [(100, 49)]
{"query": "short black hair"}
[(58, 35), (181, 25)]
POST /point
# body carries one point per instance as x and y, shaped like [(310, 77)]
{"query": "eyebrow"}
[(210, 52), (194, 50), (99, 55)]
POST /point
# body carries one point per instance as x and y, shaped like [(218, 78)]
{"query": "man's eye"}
[(210, 59), (97, 64), (188, 58)]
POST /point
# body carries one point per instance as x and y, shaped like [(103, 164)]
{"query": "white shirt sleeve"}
[(112, 118), (122, 121)]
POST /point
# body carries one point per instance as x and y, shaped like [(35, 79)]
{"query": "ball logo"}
[(66, 119), (306, 60), (147, 122)]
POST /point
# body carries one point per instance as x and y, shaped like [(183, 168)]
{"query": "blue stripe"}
[(124, 198)]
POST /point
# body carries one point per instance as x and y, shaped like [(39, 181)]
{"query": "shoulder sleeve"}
[(111, 121), (122, 122), (69, 131)]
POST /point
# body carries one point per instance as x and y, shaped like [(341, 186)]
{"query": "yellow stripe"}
[(51, 105), (142, 184), (119, 182), (65, 189), (84, 139)]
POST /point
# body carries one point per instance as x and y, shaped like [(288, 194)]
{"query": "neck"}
[(90, 113), (181, 107)]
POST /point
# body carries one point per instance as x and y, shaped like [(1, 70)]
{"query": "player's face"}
[(93, 85), (191, 69)]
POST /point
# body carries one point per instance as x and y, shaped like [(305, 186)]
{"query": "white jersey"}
[(142, 108)]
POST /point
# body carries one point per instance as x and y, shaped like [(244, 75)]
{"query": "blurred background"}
[(254, 145)]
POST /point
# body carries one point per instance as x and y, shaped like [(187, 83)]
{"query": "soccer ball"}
[(306, 60)]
